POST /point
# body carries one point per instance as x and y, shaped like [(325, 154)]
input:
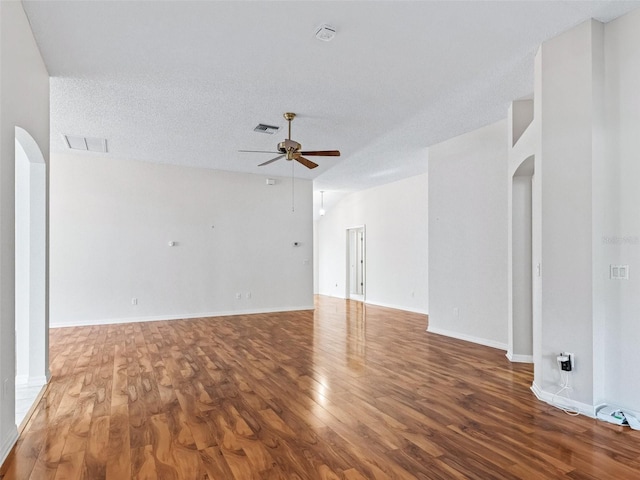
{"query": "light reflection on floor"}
[(345, 338)]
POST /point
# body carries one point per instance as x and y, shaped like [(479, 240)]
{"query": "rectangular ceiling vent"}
[(87, 144), (262, 128)]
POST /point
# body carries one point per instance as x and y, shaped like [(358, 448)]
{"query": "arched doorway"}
[(31, 319), (522, 274)]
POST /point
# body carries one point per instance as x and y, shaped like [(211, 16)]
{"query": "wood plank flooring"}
[(346, 392)]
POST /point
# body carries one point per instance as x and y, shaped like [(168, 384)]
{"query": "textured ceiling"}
[(185, 83)]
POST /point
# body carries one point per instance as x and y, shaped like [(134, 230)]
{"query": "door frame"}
[(348, 294)]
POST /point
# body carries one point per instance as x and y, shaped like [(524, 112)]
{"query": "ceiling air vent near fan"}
[(87, 144), (262, 128)]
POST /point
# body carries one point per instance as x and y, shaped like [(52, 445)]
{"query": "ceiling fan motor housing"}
[(289, 146)]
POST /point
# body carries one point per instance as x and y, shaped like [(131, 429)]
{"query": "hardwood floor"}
[(346, 392)]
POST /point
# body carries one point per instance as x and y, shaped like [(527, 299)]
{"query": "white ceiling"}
[(185, 82)]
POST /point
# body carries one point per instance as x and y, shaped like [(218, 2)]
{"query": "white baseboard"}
[(468, 338), (563, 402), (32, 409), (379, 304), (330, 295), (395, 307), (27, 381), (155, 318), (8, 443), (515, 358)]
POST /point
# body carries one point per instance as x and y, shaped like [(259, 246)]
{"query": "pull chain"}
[(293, 209)]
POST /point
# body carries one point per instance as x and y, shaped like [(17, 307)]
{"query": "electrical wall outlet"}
[(566, 361)]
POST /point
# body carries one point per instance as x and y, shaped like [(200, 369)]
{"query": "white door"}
[(356, 263)]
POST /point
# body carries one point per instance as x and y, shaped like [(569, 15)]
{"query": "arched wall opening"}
[(31, 319), (521, 341)]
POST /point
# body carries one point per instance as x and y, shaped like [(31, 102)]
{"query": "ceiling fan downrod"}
[(288, 116)]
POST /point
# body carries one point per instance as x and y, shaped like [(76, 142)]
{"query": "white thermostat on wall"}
[(172, 244)]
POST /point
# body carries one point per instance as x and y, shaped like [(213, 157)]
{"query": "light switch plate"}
[(619, 272)]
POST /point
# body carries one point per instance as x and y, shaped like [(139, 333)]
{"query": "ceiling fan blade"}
[(271, 161), (322, 153), (305, 162), (256, 151)]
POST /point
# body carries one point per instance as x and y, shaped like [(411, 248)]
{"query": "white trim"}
[(515, 358), (8, 444), (26, 381), (32, 408), (355, 227), (341, 297), (380, 304), (396, 307), (468, 338), (583, 408), (156, 318), (348, 295)]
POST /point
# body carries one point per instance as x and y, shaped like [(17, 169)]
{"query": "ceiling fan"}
[(292, 150)]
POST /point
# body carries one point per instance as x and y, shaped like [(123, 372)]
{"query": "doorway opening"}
[(356, 265), (31, 322), (522, 284)]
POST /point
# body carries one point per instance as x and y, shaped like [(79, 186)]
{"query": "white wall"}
[(24, 96), (395, 216), (622, 245), (468, 236), (586, 101), (112, 221), (566, 155)]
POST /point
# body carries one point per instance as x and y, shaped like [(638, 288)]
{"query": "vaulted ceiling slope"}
[(185, 83)]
